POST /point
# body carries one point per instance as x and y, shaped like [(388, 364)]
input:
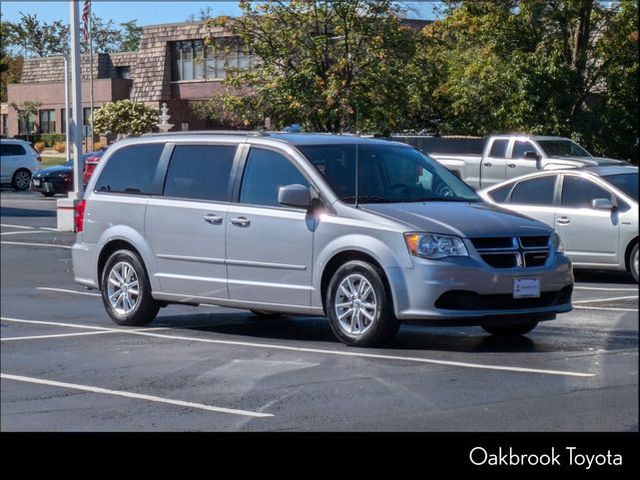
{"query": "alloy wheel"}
[(123, 288), (356, 305)]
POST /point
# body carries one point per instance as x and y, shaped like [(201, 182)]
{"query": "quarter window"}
[(578, 192), (265, 173), (200, 172), (538, 191), (499, 149), (500, 195), (131, 170)]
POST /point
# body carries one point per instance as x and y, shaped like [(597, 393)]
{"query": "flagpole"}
[(91, 72), (76, 100)]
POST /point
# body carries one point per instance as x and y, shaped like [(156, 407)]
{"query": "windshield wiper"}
[(444, 199)]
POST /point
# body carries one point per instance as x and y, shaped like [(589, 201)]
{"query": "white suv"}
[(18, 162)]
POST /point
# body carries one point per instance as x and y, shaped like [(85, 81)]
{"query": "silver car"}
[(595, 212), (368, 232)]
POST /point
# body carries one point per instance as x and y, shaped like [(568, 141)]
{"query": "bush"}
[(60, 147), (38, 146), (50, 139)]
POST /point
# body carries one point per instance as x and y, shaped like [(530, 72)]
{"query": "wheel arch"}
[(627, 252)]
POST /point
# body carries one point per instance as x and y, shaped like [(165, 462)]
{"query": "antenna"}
[(357, 158)]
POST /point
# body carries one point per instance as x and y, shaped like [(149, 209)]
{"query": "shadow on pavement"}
[(26, 212)]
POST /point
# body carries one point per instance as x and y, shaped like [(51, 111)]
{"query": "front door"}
[(590, 236), (269, 246), (186, 226), (535, 198), (518, 166)]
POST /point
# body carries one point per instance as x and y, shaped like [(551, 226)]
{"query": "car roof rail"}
[(246, 133)]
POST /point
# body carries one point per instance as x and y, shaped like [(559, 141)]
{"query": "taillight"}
[(78, 215), (39, 159)]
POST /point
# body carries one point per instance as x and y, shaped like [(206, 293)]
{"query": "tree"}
[(130, 36), (331, 66), (26, 113), (538, 66), (35, 38), (106, 37), (10, 64), (125, 117)]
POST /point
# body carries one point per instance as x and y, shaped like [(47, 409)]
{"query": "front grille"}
[(512, 252), (467, 300)]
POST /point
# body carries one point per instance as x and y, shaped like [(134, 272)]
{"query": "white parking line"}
[(58, 335), (343, 353), (607, 289), (16, 226), (139, 396), (611, 309), (76, 325), (26, 244), (64, 290), (606, 299), (30, 232)]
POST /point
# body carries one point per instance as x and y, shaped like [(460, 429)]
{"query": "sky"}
[(150, 12)]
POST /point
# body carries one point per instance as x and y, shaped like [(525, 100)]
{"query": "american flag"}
[(85, 19)]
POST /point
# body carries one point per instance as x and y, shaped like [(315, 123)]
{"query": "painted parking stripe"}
[(138, 396), (594, 300), (24, 232), (611, 309), (31, 244), (58, 335), (607, 289), (343, 353), (16, 226), (64, 290)]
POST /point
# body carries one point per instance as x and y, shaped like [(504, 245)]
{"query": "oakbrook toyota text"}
[(556, 457)]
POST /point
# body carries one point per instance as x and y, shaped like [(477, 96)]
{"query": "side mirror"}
[(297, 196), (531, 155), (602, 204)]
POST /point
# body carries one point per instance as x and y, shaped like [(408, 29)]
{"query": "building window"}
[(47, 121), (25, 127), (193, 60), (5, 126), (123, 73)]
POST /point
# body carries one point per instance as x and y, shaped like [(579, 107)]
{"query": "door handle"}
[(563, 220), (511, 165), (241, 221), (488, 164), (212, 218)]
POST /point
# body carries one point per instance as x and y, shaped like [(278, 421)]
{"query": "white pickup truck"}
[(505, 156)]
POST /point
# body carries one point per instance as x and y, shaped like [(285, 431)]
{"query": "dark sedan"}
[(52, 180)]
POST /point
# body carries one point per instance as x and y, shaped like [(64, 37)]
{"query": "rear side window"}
[(200, 172), (265, 173), (578, 192), (538, 191), (131, 170), (499, 149), (11, 149), (499, 195)]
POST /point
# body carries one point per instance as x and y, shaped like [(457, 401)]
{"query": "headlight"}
[(435, 246), (556, 243)]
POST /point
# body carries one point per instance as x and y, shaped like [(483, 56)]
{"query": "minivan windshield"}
[(562, 148), (387, 174)]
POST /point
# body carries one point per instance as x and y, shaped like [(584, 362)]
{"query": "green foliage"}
[(26, 111), (331, 66), (125, 117), (537, 66), (130, 36), (10, 64)]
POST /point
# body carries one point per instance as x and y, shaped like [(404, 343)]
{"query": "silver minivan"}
[(367, 232)]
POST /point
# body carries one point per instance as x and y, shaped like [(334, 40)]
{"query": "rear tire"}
[(633, 262), (510, 330), (359, 306), (126, 291), (21, 179)]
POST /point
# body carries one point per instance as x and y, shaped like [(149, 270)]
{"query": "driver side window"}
[(520, 148)]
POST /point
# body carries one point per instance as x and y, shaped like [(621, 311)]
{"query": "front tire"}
[(510, 330), (126, 291), (633, 262), (359, 306), (21, 179)]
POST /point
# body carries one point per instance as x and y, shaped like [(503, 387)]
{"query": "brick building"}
[(173, 65)]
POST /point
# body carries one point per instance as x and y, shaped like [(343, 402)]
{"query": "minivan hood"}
[(476, 219)]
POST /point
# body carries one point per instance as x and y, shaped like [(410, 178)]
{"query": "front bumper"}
[(417, 290), (50, 185)]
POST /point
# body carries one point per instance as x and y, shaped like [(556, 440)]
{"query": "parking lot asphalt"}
[(66, 366)]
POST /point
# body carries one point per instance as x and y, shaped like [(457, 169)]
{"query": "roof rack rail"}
[(246, 133)]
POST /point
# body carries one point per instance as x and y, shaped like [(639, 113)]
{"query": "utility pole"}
[(76, 100)]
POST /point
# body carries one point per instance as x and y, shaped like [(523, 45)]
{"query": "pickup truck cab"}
[(510, 156)]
